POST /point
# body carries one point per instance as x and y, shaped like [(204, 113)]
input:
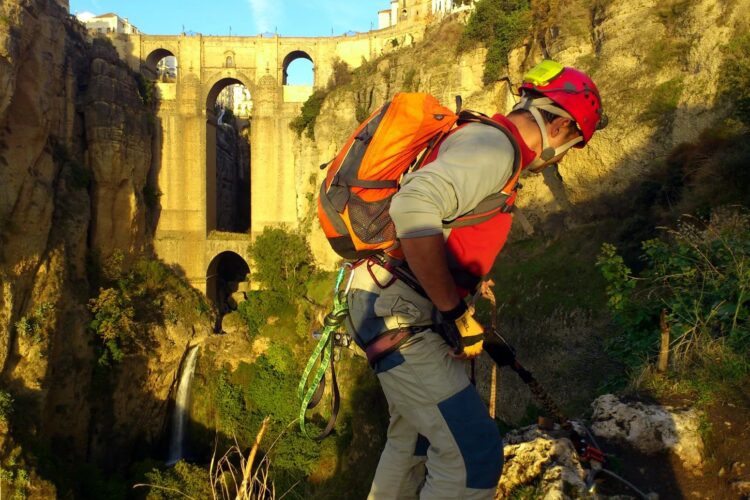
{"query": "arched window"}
[(298, 69), (161, 65)]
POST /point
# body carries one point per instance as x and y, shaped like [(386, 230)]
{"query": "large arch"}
[(228, 152), (289, 59), (224, 276)]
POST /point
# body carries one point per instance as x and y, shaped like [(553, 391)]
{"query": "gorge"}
[(118, 249)]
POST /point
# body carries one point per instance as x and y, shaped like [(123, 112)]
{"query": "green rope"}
[(324, 348)]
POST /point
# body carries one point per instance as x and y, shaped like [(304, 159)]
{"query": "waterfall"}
[(182, 400)]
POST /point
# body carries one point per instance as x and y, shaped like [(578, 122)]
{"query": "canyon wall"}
[(76, 129)]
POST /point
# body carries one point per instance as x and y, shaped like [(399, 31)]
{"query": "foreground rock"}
[(545, 461), (650, 429)]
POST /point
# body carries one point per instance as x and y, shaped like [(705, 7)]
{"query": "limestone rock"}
[(533, 456), (650, 428), (742, 488)]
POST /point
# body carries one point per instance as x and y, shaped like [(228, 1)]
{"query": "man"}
[(432, 405)]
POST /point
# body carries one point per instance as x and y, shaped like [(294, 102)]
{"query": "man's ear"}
[(558, 125)]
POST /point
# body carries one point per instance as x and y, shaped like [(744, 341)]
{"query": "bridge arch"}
[(226, 275), (161, 63), (217, 82), (228, 153), (290, 58)]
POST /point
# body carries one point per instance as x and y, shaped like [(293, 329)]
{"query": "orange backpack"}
[(363, 177)]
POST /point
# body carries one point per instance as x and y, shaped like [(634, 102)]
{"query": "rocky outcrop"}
[(656, 63), (651, 429), (546, 460), (75, 152)]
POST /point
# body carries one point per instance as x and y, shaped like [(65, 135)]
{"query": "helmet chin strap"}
[(548, 152)]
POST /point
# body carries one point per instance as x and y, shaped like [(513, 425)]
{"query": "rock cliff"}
[(75, 151), (657, 65)]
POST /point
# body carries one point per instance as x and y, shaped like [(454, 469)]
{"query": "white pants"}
[(429, 395)]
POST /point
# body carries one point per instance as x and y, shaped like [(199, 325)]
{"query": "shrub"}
[(700, 274), (341, 75), (500, 25), (184, 480), (305, 122), (734, 84), (260, 306), (283, 262), (33, 325), (6, 405), (146, 89), (130, 299), (409, 77), (670, 11)]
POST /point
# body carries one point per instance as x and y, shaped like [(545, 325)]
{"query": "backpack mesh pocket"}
[(371, 221)]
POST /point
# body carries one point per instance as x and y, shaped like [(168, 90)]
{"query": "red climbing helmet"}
[(569, 89)]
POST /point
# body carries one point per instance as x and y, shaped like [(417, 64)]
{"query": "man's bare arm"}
[(427, 260)]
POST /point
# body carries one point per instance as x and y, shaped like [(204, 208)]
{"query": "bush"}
[(260, 306), (33, 325), (6, 405), (129, 300), (305, 122), (342, 74), (146, 89), (184, 480), (700, 275), (283, 262), (500, 25), (735, 77)]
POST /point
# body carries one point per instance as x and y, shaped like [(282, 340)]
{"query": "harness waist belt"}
[(389, 341)]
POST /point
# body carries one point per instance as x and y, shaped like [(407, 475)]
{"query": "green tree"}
[(283, 262), (699, 274)]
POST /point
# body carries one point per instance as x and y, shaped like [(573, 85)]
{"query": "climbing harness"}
[(323, 357)]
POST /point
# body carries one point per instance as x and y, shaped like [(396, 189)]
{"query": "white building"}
[(107, 23), (416, 10), (237, 98), (388, 17), (444, 7)]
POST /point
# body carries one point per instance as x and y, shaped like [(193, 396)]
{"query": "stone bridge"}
[(185, 167)]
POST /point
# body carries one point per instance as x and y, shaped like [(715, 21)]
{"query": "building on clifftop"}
[(107, 23), (420, 11)]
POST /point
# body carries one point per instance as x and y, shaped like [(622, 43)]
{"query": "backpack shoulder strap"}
[(496, 202)]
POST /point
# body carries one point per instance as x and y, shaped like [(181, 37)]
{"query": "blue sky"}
[(246, 18)]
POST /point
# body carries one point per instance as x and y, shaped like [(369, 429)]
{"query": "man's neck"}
[(528, 129)]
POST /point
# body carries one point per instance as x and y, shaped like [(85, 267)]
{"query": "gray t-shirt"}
[(472, 163)]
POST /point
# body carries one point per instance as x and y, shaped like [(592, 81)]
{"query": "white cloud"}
[(84, 16), (264, 14)]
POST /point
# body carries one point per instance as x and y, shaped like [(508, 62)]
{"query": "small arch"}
[(161, 64), (229, 59), (305, 71), (225, 277)]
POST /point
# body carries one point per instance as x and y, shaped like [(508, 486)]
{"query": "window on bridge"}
[(298, 69), (161, 65), (229, 118), (227, 280)]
